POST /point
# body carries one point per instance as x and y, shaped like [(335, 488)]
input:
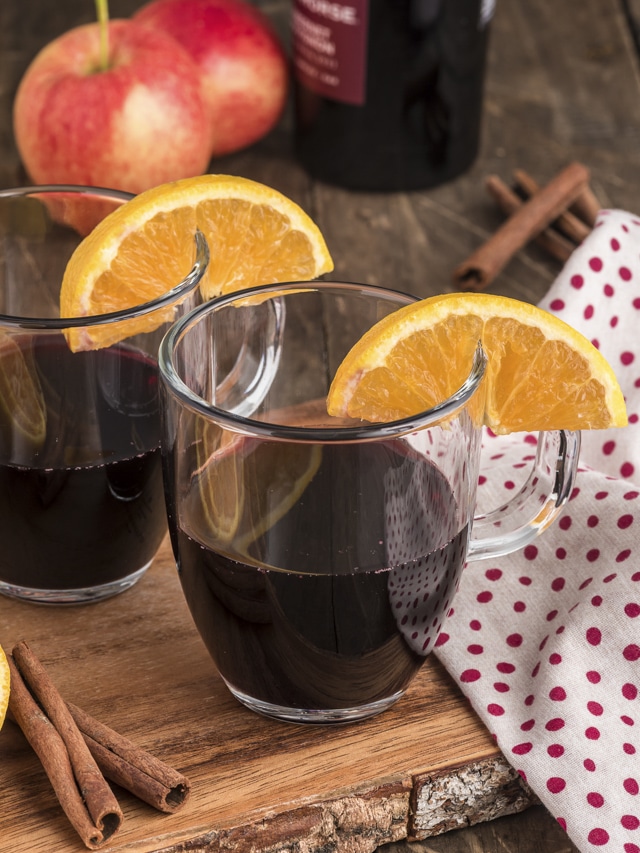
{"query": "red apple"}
[(141, 122), (244, 67)]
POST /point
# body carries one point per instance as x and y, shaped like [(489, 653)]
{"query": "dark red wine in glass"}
[(330, 608), (97, 473)]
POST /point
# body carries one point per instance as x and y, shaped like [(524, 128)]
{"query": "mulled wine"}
[(330, 606), (81, 505)]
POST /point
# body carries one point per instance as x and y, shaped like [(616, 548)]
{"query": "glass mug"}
[(319, 556), (82, 510)]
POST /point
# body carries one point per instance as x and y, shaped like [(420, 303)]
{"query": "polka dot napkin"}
[(545, 643)]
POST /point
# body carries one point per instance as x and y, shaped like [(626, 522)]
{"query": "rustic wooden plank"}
[(562, 85), (532, 830), (136, 663), (474, 792)]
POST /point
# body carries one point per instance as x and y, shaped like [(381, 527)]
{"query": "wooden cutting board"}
[(137, 663)]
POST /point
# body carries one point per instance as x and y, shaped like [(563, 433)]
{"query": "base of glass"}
[(84, 595), (314, 716)]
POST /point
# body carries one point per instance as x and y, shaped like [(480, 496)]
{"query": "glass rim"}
[(305, 434), (181, 289)]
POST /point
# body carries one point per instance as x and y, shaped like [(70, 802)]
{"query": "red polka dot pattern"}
[(545, 643), (607, 268)]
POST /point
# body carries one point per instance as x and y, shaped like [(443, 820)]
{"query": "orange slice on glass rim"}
[(541, 373), (145, 247)]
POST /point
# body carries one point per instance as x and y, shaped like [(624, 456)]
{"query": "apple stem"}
[(102, 10)]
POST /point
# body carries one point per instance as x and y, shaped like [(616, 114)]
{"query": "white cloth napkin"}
[(545, 643)]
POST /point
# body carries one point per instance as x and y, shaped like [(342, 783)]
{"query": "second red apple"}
[(244, 67)]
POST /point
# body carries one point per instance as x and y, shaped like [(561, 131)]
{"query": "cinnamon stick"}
[(79, 786), (586, 206), (567, 222), (479, 270), (509, 202), (131, 767)]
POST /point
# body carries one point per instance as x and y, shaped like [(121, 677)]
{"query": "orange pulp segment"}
[(145, 247), (246, 485), (541, 373), (4, 686)]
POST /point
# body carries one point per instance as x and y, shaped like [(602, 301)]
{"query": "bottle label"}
[(330, 47)]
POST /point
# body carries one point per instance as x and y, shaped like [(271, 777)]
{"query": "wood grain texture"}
[(532, 831), (466, 795), (562, 85), (136, 663)]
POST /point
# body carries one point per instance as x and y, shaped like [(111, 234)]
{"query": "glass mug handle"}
[(538, 503), (242, 386)]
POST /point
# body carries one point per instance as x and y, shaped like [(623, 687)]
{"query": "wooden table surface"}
[(563, 84)]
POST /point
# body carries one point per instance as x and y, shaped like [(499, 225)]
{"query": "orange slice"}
[(4, 686), (277, 477), (145, 247), (541, 374), (245, 485), (21, 395), (219, 457)]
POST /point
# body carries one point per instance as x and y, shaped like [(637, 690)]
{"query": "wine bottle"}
[(388, 93)]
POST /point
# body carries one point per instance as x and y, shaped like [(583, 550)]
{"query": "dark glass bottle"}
[(388, 93)]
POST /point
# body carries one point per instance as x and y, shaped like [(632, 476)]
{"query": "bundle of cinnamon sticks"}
[(557, 216), (79, 754)]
